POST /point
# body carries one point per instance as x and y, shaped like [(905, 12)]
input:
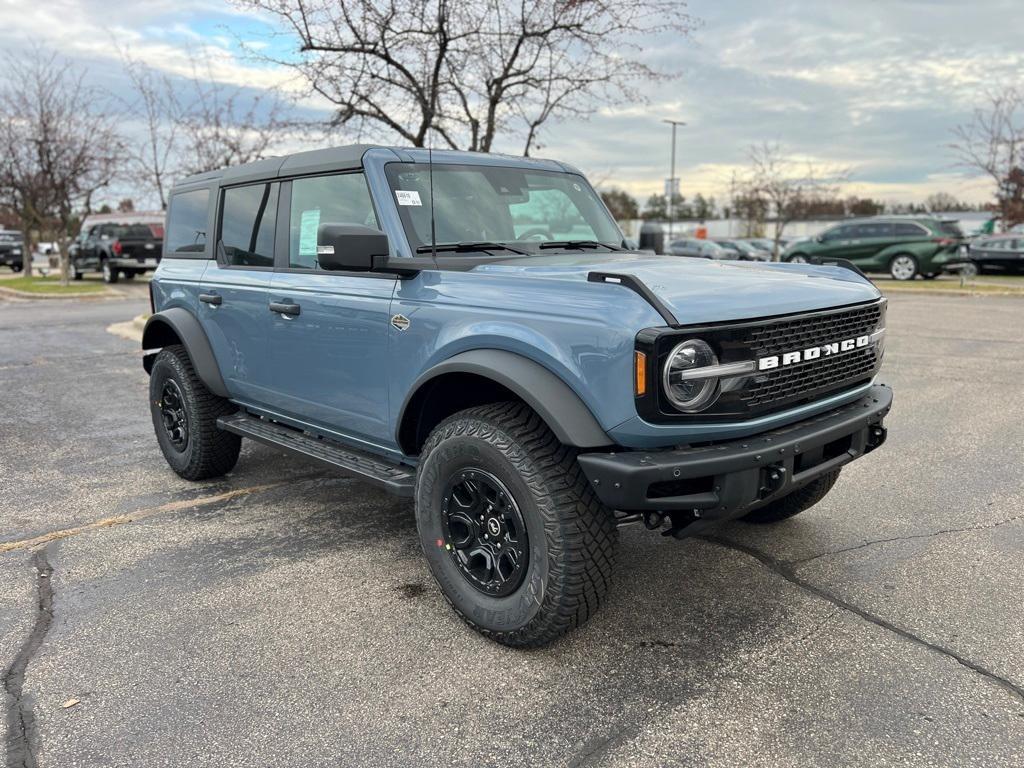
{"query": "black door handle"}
[(211, 298), (285, 308)]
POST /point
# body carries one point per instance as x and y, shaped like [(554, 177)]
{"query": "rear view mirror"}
[(351, 247)]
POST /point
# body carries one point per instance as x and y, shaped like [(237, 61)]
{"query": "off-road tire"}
[(209, 452), (794, 503), (110, 275), (571, 534)]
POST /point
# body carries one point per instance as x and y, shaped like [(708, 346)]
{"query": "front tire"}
[(185, 417), (492, 479), (795, 502), (903, 267), (797, 258), (17, 267)]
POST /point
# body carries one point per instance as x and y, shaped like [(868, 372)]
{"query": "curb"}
[(130, 329), (104, 294), (951, 292)]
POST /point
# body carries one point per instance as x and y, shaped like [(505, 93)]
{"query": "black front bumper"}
[(720, 481)]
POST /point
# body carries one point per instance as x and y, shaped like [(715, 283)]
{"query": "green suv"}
[(903, 247)]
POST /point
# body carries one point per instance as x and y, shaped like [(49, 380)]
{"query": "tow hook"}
[(876, 436), (773, 478)]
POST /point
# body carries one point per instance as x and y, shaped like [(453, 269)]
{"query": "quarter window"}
[(340, 199), (247, 224), (907, 229), (186, 222)]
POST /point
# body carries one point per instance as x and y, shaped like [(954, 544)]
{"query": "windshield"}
[(478, 203), (950, 228)]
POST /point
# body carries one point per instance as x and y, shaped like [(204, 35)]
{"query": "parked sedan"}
[(745, 250), (998, 254), (702, 249)]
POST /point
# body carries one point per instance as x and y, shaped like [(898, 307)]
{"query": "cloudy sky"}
[(872, 85)]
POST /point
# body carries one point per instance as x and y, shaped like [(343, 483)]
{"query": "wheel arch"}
[(179, 326), (483, 376)]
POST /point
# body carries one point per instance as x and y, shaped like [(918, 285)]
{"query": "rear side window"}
[(907, 229), (873, 229), (186, 222), (247, 225), (341, 199)]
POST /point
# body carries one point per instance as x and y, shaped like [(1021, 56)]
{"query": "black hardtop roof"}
[(350, 157)]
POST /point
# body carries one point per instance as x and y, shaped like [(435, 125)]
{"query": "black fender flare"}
[(553, 400), (162, 328)]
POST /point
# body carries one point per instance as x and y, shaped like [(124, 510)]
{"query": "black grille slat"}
[(810, 377)]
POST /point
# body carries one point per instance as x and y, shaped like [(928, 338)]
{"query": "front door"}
[(329, 331), (233, 292)]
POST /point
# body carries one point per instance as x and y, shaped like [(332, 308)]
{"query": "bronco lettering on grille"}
[(812, 353)]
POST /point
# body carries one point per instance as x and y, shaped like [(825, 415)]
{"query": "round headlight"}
[(685, 388)]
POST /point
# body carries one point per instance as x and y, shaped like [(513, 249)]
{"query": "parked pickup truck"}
[(12, 249), (117, 245), (470, 331)]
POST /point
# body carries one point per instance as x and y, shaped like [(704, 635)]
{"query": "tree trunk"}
[(26, 254)]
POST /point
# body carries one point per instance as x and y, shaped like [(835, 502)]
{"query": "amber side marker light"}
[(640, 373)]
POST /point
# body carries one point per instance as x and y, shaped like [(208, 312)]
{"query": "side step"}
[(395, 478)]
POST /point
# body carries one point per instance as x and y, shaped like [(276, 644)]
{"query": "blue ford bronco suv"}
[(471, 331)]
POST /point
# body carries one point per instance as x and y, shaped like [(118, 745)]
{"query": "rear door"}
[(329, 331), (233, 296)]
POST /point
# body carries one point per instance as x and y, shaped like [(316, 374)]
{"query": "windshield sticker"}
[(308, 225), (408, 197)]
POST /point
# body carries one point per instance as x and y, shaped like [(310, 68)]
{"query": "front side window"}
[(478, 203), (248, 217), (316, 200), (186, 222), (837, 233)]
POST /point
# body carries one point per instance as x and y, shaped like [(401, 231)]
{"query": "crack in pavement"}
[(21, 724), (107, 522), (985, 527), (785, 570)]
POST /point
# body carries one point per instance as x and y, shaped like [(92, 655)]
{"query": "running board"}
[(394, 478)]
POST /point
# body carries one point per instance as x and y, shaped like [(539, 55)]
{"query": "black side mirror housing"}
[(350, 247)]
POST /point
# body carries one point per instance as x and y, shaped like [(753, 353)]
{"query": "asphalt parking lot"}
[(284, 616)]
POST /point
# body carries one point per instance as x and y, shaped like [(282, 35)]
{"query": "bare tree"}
[(781, 188), (58, 146), (153, 159), (222, 125), (991, 144), (473, 70)]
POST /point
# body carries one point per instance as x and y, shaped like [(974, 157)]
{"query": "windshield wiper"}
[(482, 245), (579, 244)]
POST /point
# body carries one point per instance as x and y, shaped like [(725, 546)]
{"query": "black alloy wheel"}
[(172, 413), (485, 532)]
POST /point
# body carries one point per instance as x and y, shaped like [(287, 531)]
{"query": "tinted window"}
[(839, 233), (907, 229), (873, 229), (342, 199), (247, 225), (186, 222)]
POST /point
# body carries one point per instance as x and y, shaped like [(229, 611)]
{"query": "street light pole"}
[(672, 178)]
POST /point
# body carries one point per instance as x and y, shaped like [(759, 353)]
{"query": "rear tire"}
[(516, 465), (795, 502), (109, 273), (17, 267), (797, 258), (185, 417)]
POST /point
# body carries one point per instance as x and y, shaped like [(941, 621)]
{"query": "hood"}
[(705, 291)]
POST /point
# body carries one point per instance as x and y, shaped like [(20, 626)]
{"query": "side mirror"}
[(351, 247)]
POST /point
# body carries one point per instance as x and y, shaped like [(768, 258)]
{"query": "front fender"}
[(553, 400), (179, 326)]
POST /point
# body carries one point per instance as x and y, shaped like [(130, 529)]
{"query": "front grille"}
[(813, 376), (810, 377), (802, 332)]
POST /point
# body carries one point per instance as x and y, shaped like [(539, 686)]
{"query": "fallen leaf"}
[(70, 703)]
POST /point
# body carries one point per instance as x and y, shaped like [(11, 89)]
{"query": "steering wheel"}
[(537, 234)]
